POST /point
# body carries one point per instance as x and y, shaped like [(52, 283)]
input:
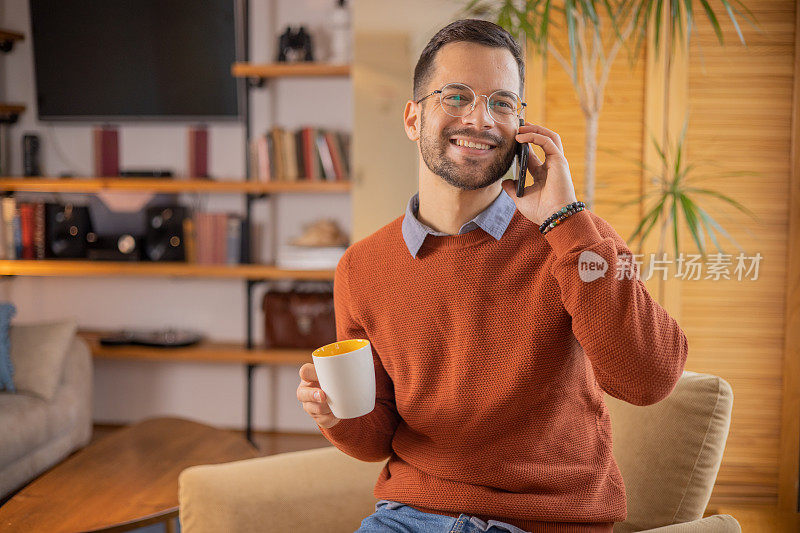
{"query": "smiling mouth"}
[(472, 145)]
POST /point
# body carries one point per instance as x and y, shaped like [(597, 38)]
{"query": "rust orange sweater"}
[(491, 357)]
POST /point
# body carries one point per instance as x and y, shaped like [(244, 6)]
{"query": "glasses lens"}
[(504, 106), (457, 99)]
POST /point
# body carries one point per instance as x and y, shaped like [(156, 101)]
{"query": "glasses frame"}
[(515, 116)]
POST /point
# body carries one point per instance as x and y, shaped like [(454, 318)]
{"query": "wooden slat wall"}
[(740, 104), (617, 176)]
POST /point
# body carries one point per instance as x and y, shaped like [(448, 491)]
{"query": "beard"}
[(471, 174)]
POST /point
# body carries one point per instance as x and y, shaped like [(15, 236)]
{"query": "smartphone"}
[(522, 164)]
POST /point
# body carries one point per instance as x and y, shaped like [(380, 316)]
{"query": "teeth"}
[(470, 144)]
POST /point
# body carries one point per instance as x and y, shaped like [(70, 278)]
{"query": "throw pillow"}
[(7, 310), (38, 352)]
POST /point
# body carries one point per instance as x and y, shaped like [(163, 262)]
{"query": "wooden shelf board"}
[(288, 70), (57, 267), (6, 109), (8, 35), (211, 351), (80, 184)]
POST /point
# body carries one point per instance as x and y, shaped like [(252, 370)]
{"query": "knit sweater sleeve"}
[(636, 349), (368, 437)]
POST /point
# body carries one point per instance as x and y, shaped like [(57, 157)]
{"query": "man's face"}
[(485, 70)]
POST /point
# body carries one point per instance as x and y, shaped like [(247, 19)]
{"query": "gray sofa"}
[(36, 434)]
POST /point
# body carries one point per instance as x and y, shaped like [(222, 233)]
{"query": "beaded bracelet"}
[(559, 216), (560, 212)]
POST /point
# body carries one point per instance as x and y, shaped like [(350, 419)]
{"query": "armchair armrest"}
[(297, 491), (720, 523)]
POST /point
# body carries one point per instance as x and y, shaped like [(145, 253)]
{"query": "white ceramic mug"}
[(346, 374)]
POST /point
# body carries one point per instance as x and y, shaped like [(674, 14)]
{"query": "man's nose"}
[(479, 116)]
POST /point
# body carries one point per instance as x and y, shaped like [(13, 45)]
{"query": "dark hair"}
[(471, 31)]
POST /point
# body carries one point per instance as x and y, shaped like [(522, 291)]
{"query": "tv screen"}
[(119, 60)]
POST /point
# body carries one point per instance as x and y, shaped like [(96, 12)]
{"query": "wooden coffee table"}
[(125, 480)]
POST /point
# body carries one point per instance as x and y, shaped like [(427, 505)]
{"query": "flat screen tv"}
[(128, 60)]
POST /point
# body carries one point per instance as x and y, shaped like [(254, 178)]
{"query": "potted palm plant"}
[(595, 41), (679, 196)]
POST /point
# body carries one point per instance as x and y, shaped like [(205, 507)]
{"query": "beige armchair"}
[(669, 454)]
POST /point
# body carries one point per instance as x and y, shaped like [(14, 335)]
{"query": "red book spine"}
[(26, 226), (198, 152), (38, 230), (106, 152), (201, 231), (222, 238), (335, 156)]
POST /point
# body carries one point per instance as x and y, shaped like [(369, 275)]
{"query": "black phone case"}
[(522, 167)]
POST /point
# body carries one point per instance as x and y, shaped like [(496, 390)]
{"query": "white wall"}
[(127, 391)]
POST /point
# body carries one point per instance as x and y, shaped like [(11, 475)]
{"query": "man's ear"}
[(411, 119)]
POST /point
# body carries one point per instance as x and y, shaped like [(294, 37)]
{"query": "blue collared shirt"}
[(493, 220)]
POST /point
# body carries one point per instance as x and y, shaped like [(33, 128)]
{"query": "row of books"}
[(208, 237), (307, 154), (22, 235), (214, 238)]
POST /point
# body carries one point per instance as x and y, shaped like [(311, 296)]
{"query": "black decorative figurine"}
[(295, 46)]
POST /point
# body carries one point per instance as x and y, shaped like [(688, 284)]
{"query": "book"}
[(198, 152), (106, 152), (234, 235), (39, 239), (26, 230), (189, 240), (9, 209), (336, 155), (263, 159), (328, 172)]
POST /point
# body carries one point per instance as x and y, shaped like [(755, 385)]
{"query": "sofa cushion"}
[(7, 310), (669, 452), (37, 352), (26, 425)]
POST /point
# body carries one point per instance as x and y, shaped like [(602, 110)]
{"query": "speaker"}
[(123, 247), (164, 238), (30, 155), (68, 231)]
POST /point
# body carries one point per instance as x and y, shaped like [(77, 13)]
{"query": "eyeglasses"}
[(459, 100)]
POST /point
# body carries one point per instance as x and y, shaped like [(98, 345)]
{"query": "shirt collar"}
[(493, 220)]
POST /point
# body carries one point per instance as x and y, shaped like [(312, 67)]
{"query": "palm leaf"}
[(650, 218), (675, 224), (691, 220), (728, 199), (713, 18)]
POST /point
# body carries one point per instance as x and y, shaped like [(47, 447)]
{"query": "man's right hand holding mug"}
[(313, 397)]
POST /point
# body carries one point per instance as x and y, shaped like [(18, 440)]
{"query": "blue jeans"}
[(399, 518)]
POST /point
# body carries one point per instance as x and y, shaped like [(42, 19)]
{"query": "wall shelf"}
[(62, 267), (288, 70), (209, 351), (88, 185), (9, 113), (8, 38)]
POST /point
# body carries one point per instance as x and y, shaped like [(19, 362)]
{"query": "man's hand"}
[(313, 397), (552, 186)]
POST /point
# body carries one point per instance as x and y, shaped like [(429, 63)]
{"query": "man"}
[(491, 347)]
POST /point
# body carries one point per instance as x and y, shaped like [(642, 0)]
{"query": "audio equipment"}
[(31, 155), (68, 230), (164, 240), (123, 247)]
